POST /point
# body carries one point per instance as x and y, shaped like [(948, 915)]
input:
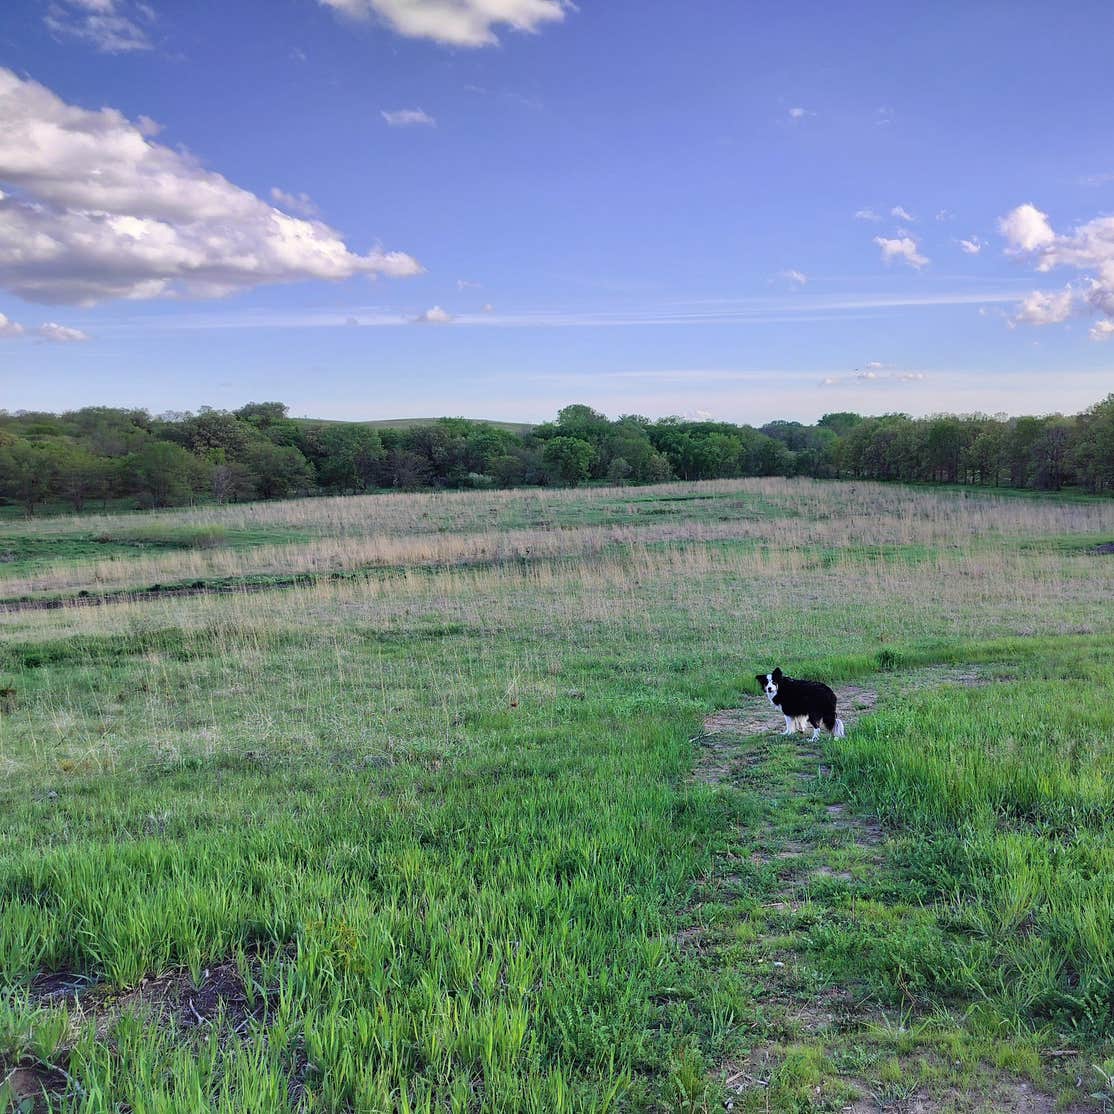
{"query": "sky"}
[(494, 208)]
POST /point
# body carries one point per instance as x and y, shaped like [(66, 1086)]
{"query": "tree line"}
[(99, 455)]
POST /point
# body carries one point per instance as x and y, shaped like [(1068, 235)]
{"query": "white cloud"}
[(799, 113), (454, 22), (902, 214), (467, 284), (434, 316), (867, 214), (945, 215), (103, 212), (972, 246), (111, 26), (1044, 307), (797, 278), (883, 115), (294, 202), (488, 307), (873, 373), (1102, 330), (408, 118), (903, 247), (1026, 228), (51, 330), (60, 334), (1088, 249)]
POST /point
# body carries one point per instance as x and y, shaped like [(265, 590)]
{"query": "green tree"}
[(26, 473), (232, 481), (984, 458), (165, 473), (79, 475), (569, 459), (278, 471), (1092, 453), (1050, 453), (262, 414), (347, 457)]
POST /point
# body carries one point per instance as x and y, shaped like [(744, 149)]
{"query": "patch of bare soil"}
[(31, 1087), (221, 998), (1001, 1093), (221, 995)]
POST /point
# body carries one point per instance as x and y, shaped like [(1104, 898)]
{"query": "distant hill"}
[(409, 423)]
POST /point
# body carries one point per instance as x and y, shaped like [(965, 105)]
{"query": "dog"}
[(801, 702)]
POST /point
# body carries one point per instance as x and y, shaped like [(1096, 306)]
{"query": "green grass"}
[(444, 824), (1008, 788)]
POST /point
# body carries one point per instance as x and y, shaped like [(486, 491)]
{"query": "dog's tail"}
[(838, 731)]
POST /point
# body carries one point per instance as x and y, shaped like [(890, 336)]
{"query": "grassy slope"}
[(452, 816)]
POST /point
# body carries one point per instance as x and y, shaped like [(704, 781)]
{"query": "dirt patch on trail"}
[(815, 856), (995, 1094)]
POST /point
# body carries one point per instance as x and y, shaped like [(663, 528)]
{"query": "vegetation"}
[(100, 455), (438, 826)]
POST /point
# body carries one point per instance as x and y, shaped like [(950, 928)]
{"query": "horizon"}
[(362, 206), (171, 415)]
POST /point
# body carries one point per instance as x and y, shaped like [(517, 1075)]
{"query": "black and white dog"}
[(801, 702)]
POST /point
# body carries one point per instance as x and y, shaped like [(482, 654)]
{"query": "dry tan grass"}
[(446, 529), (648, 591)]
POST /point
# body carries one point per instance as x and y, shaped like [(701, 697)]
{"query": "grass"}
[(1010, 793), (439, 819)]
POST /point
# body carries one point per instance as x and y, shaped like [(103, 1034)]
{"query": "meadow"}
[(469, 802)]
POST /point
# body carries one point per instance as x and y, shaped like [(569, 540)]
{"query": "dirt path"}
[(800, 865)]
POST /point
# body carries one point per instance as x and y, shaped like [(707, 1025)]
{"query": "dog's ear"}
[(776, 674), (760, 678)]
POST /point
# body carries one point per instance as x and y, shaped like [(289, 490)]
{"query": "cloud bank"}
[(100, 211)]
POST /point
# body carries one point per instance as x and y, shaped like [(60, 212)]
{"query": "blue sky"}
[(382, 208)]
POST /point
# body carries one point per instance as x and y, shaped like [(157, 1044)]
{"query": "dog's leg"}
[(790, 725), (839, 732)]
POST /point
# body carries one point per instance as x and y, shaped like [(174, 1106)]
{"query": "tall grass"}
[(456, 528)]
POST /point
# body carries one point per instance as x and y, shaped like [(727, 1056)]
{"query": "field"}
[(469, 802)]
